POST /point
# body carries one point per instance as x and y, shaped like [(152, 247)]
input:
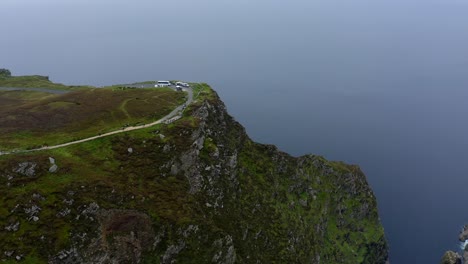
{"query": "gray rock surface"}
[(13, 227), (26, 169), (53, 168)]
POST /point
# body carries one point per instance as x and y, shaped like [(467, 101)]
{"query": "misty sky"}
[(382, 84), (61, 38)]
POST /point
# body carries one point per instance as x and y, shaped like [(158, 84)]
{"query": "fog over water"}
[(382, 84)]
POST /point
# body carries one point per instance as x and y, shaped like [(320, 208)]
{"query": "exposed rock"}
[(191, 229), (167, 148), (90, 211), (463, 234), (53, 168), (13, 227), (159, 237), (451, 257), (26, 169), (64, 212), (191, 171), (9, 177), (225, 252), (172, 252), (32, 212), (67, 256), (124, 236), (68, 201)]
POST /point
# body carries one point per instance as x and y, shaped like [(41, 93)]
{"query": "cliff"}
[(197, 190)]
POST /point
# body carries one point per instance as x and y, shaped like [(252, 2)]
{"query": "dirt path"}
[(172, 114)]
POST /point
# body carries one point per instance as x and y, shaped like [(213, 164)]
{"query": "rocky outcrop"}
[(454, 257), (451, 257), (26, 168), (124, 236)]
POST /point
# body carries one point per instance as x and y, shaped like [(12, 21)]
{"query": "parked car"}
[(182, 84), (163, 84)]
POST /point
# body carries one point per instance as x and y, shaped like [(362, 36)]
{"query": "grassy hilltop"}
[(198, 190), (29, 119), (32, 81)]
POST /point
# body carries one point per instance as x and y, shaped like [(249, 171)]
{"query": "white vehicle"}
[(163, 84), (182, 84)]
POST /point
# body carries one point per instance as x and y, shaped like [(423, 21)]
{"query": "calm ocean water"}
[(382, 84)]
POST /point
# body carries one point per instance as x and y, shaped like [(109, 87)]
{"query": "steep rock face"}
[(195, 191), (276, 207)]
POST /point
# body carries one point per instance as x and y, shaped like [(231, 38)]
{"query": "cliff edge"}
[(197, 190)]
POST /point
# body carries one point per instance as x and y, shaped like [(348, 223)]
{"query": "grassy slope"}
[(31, 119), (99, 171), (35, 81)]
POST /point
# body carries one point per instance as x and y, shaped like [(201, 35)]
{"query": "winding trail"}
[(171, 115)]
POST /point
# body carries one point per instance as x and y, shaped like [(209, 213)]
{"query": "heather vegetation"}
[(33, 81), (29, 119)]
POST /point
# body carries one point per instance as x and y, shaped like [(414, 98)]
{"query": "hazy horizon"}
[(382, 84)]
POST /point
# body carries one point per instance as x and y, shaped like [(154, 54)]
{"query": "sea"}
[(378, 83)]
